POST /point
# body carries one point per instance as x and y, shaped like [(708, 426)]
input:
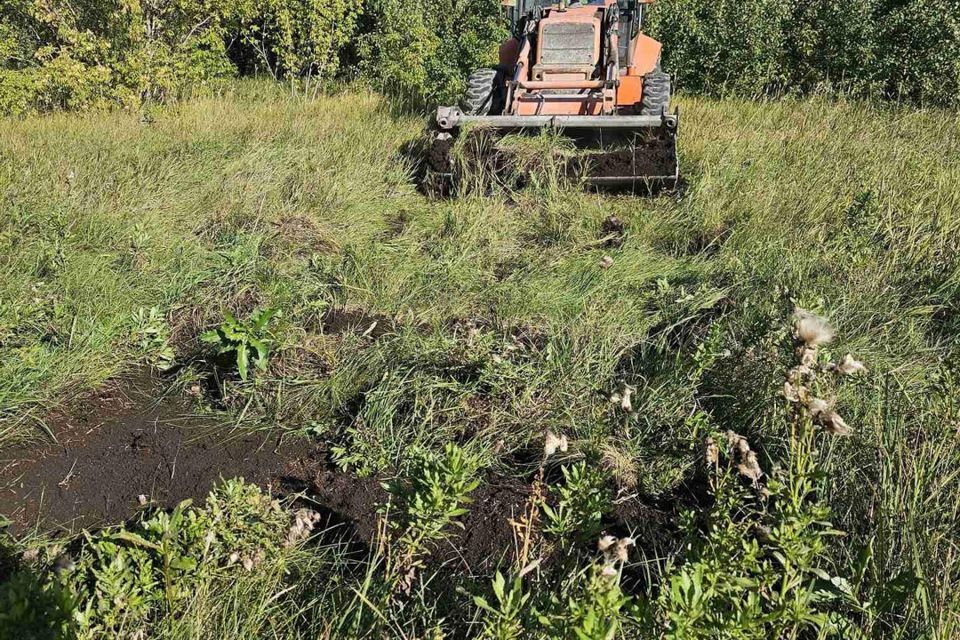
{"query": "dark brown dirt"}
[(123, 443), (358, 320), (343, 499), (487, 535), (440, 152), (652, 525), (653, 159), (130, 440), (613, 232), (485, 538)]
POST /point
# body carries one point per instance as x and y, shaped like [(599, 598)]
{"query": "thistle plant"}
[(433, 498), (249, 341), (119, 581), (590, 603), (151, 333), (756, 567), (807, 381), (503, 617), (582, 501)]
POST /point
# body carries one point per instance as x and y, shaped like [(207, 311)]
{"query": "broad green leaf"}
[(184, 563), (242, 362), (262, 317)]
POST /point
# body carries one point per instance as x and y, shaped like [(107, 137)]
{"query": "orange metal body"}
[(572, 88)]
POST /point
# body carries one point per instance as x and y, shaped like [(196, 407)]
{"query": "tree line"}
[(78, 54)]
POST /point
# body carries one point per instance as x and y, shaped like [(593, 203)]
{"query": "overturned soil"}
[(478, 544), (653, 158), (644, 162), (124, 446), (359, 321), (131, 444), (487, 537)]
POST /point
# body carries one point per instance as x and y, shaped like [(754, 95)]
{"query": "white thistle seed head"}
[(790, 392), (749, 467), (623, 545), (834, 424), (625, 403), (812, 329), (848, 365), (712, 453), (818, 406), (553, 443), (606, 542)]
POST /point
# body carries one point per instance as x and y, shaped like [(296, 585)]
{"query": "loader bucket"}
[(617, 151)]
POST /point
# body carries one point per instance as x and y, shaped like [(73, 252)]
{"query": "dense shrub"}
[(904, 49), (294, 38), (425, 50), (721, 43), (60, 55)]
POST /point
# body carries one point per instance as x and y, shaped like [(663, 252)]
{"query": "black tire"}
[(656, 93), (486, 93)]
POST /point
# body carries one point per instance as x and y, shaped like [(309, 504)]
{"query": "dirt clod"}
[(613, 232), (487, 536), (359, 321)]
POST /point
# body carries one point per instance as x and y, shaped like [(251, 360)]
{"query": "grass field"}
[(494, 320)]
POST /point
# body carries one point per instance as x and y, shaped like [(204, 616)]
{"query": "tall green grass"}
[(496, 319)]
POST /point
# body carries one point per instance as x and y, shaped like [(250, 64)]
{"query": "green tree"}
[(423, 51)]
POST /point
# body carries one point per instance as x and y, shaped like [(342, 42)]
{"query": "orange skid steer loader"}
[(584, 69)]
